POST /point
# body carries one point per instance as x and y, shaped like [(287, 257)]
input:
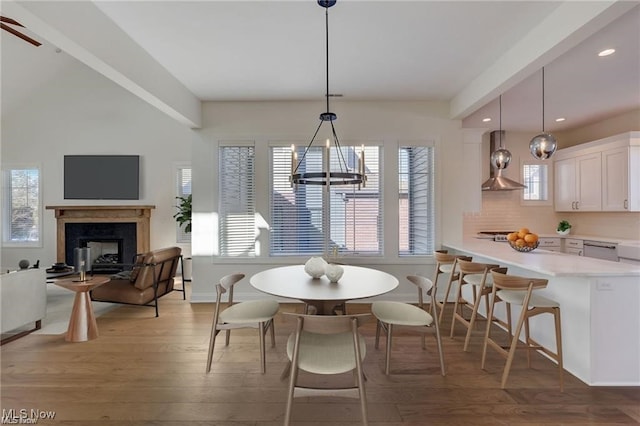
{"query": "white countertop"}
[(544, 261)]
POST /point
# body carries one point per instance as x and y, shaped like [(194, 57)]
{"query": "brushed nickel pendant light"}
[(326, 177), (543, 145)]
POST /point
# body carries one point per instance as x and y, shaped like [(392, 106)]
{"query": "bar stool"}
[(476, 274), (445, 264), (514, 290)]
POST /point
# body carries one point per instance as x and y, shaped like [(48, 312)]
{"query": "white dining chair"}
[(250, 314), (391, 314), (326, 345)]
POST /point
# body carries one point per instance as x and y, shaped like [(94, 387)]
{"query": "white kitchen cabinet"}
[(573, 246), (550, 243), (578, 183), (621, 179), (602, 175)]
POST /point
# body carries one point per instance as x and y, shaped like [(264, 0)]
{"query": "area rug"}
[(59, 305)]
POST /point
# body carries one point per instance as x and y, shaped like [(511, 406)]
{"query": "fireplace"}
[(112, 244), (126, 228)]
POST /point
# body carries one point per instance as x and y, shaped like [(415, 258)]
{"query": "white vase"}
[(565, 232), (333, 272), (315, 267)]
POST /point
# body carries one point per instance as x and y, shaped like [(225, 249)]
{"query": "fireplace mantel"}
[(140, 215)]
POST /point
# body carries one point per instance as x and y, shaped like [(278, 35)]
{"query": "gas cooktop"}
[(493, 235)]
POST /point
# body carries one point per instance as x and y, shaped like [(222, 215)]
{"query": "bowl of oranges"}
[(523, 240)]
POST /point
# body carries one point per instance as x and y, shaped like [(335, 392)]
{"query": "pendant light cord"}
[(326, 14), (500, 124), (542, 99)]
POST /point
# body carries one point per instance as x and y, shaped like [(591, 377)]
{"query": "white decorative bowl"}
[(333, 272), (315, 267), (565, 232)]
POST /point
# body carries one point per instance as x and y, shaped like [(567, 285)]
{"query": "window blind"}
[(308, 219), (22, 205), (416, 197), (237, 227), (183, 189)]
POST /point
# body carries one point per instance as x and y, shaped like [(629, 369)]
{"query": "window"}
[(308, 219), (416, 201), (237, 224), (21, 206), (183, 180), (535, 177)]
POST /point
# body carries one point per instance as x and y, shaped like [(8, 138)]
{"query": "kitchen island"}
[(599, 302)]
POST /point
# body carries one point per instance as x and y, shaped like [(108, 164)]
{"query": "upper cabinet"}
[(578, 183), (602, 175)]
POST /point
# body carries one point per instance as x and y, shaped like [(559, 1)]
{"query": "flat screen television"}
[(101, 177)]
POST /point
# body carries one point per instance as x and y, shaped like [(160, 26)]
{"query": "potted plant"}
[(183, 217), (564, 227)]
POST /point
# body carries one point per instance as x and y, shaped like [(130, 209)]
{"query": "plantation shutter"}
[(356, 213), (184, 189), (297, 216), (237, 227), (416, 209)]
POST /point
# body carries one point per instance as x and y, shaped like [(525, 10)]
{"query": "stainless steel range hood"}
[(496, 181)]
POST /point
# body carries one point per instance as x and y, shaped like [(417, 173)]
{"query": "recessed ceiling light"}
[(486, 120), (560, 119), (606, 52)]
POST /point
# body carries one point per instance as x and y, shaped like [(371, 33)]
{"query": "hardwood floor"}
[(144, 370)]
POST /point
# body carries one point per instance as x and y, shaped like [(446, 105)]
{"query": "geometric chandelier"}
[(341, 176)]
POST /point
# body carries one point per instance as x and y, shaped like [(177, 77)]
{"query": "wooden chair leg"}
[(263, 356), (474, 315), (487, 331), (455, 308), (514, 345), (378, 327), (556, 317), (439, 343), (527, 339), (446, 294), (212, 342), (387, 365), (272, 326)]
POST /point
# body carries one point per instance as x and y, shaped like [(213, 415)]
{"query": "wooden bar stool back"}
[(477, 274), (515, 290), (445, 264)]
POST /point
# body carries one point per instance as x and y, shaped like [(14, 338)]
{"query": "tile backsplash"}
[(502, 211)]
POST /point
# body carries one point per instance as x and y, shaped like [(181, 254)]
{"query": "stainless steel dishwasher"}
[(600, 250)]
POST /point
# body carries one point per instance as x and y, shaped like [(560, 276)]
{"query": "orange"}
[(520, 242), (531, 238), (522, 232), (512, 236)]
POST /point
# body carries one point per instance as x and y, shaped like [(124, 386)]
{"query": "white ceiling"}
[(379, 50)]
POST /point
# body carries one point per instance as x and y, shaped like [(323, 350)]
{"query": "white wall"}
[(81, 112), (388, 122)]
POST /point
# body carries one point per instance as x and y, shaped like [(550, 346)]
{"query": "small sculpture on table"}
[(333, 272), (314, 267)]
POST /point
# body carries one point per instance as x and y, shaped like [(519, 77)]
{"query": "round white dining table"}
[(292, 282)]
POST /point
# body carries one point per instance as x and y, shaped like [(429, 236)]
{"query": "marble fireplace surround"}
[(140, 215)]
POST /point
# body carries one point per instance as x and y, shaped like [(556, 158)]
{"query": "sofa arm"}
[(24, 298)]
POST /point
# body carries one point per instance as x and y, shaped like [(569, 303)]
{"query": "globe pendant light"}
[(343, 176), (501, 157), (543, 145)]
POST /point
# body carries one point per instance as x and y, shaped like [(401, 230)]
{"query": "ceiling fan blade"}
[(10, 21), (20, 35)]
